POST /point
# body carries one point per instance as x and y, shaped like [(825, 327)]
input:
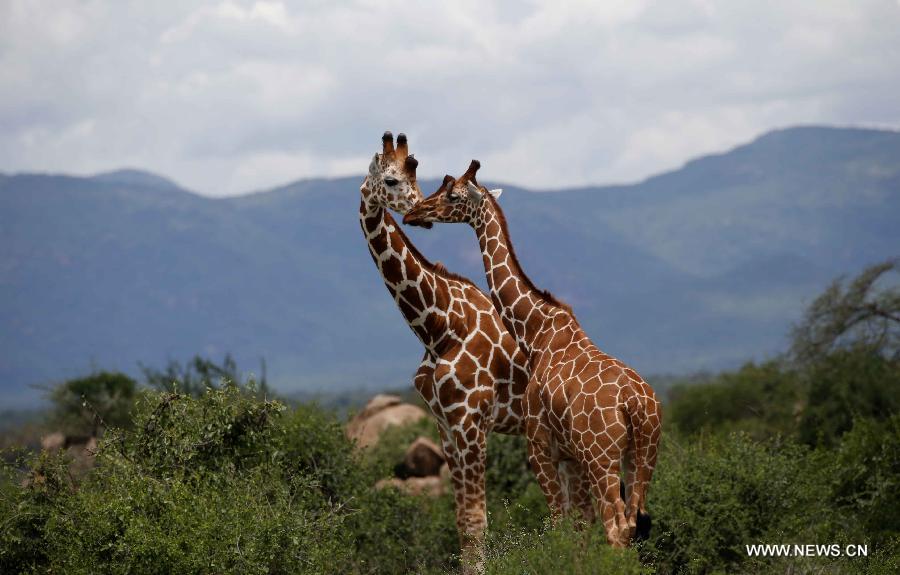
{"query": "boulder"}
[(53, 441), (423, 458), (381, 412), (83, 456), (379, 402)]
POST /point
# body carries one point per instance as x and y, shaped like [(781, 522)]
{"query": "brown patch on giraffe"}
[(411, 295), (490, 330), (396, 243), (391, 269), (409, 311)]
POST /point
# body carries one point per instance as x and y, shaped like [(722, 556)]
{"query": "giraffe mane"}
[(543, 294)]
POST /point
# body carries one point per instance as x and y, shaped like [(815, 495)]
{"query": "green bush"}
[(223, 482), (27, 502), (865, 481), (85, 405), (759, 399), (713, 495), (514, 499), (560, 550), (848, 385)]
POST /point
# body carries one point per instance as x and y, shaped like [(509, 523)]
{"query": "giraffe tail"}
[(640, 425)]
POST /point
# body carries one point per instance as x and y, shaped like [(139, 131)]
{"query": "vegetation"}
[(218, 478)]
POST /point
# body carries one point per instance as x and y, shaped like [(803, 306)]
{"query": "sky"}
[(227, 97)]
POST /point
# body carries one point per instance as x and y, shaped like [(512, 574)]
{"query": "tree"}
[(861, 314), (86, 404)]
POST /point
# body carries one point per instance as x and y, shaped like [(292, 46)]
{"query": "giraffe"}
[(473, 375), (581, 404)]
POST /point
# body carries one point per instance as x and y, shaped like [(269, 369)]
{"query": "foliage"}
[(865, 480), (562, 549), (514, 499), (713, 495), (848, 385), (220, 483), (84, 405), (860, 314), (760, 399), (200, 373)]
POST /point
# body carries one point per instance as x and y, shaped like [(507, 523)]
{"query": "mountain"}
[(700, 268)]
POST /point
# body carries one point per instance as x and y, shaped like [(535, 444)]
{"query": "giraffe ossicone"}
[(584, 409)]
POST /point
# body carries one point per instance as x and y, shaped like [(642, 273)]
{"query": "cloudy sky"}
[(229, 96)]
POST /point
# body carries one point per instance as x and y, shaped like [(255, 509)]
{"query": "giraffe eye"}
[(391, 181), (453, 196)]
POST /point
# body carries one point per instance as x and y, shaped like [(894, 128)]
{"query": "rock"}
[(83, 456), (381, 412), (423, 458), (53, 442), (431, 486), (379, 402)]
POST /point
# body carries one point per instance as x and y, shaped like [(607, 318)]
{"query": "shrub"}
[(758, 398), (845, 385), (712, 496), (865, 483), (563, 550), (84, 405), (223, 482), (514, 499)]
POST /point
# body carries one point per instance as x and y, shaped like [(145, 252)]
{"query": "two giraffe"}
[(581, 410)]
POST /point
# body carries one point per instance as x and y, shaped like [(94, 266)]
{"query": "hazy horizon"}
[(361, 173)]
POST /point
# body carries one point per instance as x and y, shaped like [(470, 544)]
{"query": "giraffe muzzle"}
[(414, 218)]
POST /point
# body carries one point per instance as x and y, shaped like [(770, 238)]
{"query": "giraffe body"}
[(586, 412), (473, 375)]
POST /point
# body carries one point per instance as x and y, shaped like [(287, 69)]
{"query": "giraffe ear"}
[(496, 193), (373, 165), (473, 190)]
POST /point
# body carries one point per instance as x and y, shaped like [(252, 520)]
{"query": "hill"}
[(700, 268)]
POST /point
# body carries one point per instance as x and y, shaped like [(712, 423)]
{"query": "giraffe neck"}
[(523, 308), (409, 277)]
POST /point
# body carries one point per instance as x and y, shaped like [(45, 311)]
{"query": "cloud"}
[(231, 96)]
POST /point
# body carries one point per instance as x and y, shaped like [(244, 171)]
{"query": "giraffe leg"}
[(577, 489), (605, 483), (467, 467), (540, 458), (601, 447), (540, 451)]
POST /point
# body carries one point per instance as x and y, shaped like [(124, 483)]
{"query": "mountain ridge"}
[(698, 268)]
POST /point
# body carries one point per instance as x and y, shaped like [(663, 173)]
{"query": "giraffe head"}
[(391, 181), (457, 200)]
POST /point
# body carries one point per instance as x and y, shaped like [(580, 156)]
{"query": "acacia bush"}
[(713, 495), (759, 399), (563, 548), (224, 482)]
